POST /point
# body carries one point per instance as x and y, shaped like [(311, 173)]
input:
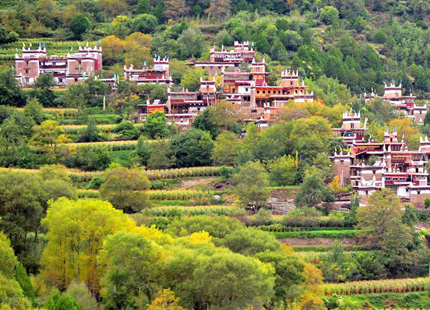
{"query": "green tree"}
[(329, 15), (380, 37), (91, 159), (7, 256), (410, 216), (249, 242), (144, 23), (79, 25), (313, 191), (156, 126), (62, 302), (290, 275), (11, 294), (252, 185), (143, 6), (91, 133), (162, 156), (143, 151), (56, 182), (34, 110), (225, 149), (282, 171), (191, 79), (76, 96), (42, 90), (24, 281), (130, 277), (228, 280), (191, 43), (14, 151), (126, 189), (23, 203), (10, 92), (125, 100), (205, 121), (382, 210), (192, 148), (197, 10), (126, 131)]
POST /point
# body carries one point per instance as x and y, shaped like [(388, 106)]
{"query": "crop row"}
[(77, 129), (128, 145), (179, 194), (378, 286), (79, 176), (61, 112), (158, 194), (184, 172), (334, 234), (193, 211)]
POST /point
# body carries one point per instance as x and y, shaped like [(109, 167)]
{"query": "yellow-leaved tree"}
[(49, 137), (76, 232), (166, 300)]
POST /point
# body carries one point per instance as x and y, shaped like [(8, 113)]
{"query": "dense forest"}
[(101, 211)]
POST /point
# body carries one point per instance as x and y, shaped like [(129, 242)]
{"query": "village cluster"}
[(367, 166)]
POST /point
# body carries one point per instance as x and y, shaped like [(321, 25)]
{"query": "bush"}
[(79, 24), (312, 218), (127, 131), (329, 15), (145, 23), (95, 182), (226, 172), (380, 37)]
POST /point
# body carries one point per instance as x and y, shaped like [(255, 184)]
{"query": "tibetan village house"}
[(66, 70)]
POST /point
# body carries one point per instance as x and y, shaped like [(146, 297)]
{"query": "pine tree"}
[(144, 7), (25, 282)]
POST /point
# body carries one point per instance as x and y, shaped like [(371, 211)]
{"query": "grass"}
[(334, 234), (121, 157)]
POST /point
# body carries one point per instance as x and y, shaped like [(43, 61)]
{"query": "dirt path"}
[(193, 182)]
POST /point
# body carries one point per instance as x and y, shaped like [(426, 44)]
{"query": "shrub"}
[(329, 15), (380, 37)]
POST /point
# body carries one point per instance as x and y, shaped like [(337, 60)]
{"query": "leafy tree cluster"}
[(23, 204), (131, 267)]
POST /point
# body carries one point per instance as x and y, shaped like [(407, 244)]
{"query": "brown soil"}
[(192, 182)]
